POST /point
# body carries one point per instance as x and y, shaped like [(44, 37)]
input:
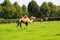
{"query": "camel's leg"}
[(17, 25), (20, 25), (26, 25)]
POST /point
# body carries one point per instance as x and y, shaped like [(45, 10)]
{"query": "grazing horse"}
[(25, 20)]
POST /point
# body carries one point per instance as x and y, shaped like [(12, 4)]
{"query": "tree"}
[(18, 10), (8, 9), (25, 10), (0, 11), (33, 8), (45, 9), (53, 9), (58, 11)]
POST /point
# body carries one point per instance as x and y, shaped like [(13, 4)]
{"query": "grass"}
[(35, 31)]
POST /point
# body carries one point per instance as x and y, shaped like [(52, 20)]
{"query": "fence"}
[(8, 21), (36, 20)]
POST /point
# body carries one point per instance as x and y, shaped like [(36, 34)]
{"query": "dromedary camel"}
[(25, 20)]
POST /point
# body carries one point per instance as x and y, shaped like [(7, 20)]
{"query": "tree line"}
[(14, 11)]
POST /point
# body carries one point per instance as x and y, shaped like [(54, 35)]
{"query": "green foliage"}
[(49, 10), (0, 8), (1, 11), (14, 11), (8, 9), (45, 9), (25, 10), (58, 11), (33, 8), (54, 10), (18, 10)]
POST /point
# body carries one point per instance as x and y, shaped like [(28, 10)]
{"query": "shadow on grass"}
[(31, 30), (15, 36), (43, 27), (20, 30), (9, 30), (57, 34), (0, 30)]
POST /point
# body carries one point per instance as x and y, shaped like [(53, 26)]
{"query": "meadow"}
[(35, 31)]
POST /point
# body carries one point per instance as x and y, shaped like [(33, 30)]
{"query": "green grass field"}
[(35, 31)]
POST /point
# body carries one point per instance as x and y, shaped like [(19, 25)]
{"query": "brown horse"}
[(25, 20)]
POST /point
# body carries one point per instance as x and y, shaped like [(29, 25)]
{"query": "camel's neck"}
[(31, 20)]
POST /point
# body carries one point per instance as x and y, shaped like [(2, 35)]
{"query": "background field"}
[(35, 31)]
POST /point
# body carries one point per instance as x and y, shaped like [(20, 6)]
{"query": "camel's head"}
[(32, 18)]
